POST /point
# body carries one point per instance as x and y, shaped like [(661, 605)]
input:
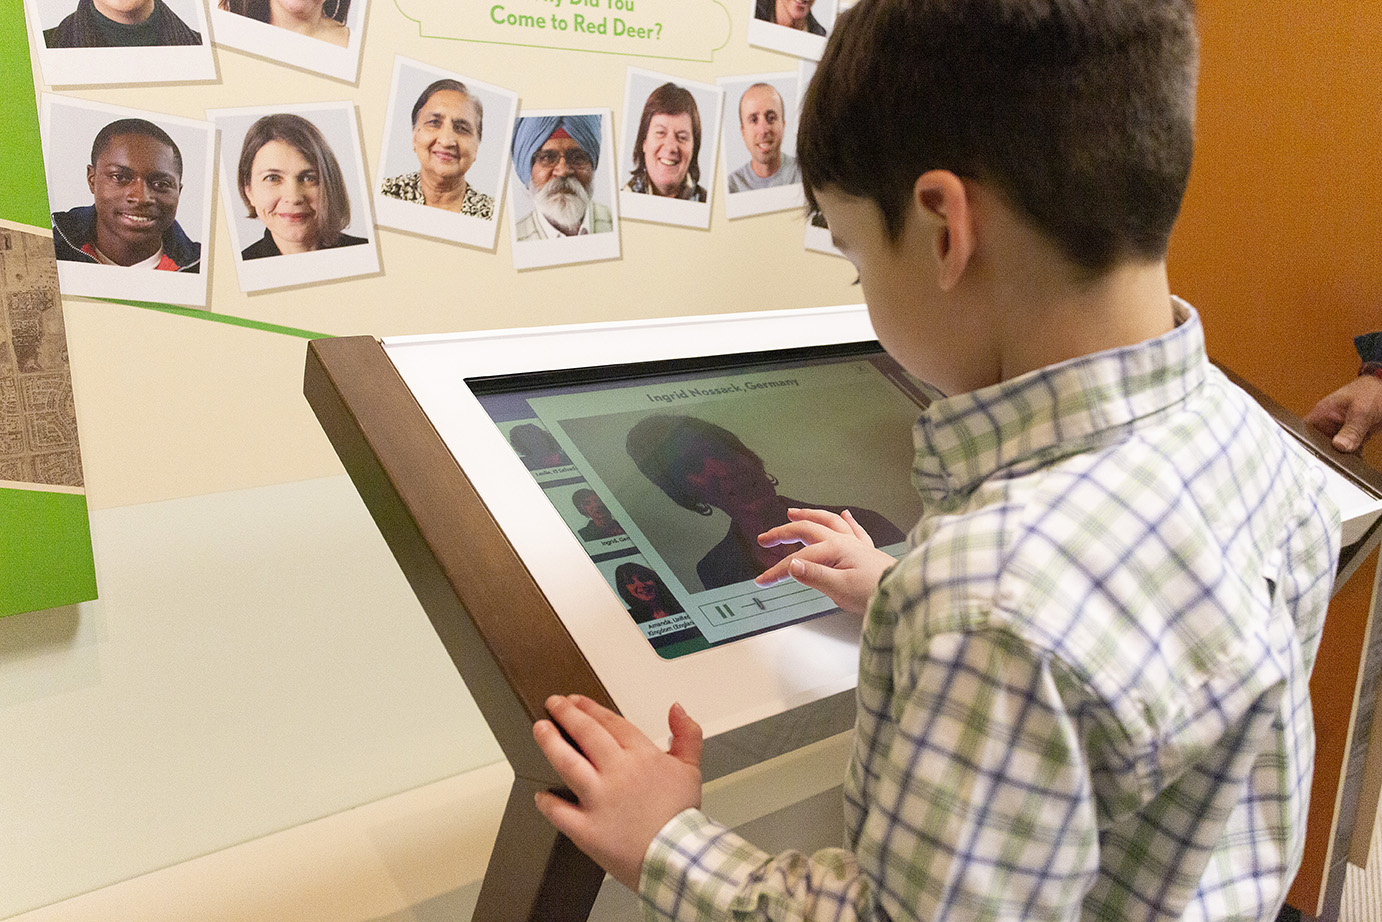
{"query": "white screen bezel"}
[(724, 687)]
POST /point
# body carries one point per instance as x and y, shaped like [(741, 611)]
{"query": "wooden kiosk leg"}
[(535, 873), (502, 634)]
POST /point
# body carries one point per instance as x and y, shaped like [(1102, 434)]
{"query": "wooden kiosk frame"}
[(502, 630), (478, 585)]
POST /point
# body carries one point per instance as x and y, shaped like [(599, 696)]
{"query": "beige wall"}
[(174, 407)]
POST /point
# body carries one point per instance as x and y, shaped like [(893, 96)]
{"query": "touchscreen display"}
[(668, 471)]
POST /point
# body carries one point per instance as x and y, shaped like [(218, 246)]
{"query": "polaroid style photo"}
[(795, 27), (562, 203), (334, 50), (134, 222), (670, 141), (70, 36), (760, 144), (817, 238), (294, 194), (444, 131)]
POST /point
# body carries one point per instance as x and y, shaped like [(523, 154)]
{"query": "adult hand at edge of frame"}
[(838, 559), (626, 787), (1351, 414)]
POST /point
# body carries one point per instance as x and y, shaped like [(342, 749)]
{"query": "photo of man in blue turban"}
[(555, 157)]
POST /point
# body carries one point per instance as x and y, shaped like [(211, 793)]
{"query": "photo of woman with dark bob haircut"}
[(703, 467), (666, 154), (320, 19), (290, 180), (646, 598)]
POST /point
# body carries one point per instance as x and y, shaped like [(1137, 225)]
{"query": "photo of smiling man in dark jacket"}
[(135, 178)]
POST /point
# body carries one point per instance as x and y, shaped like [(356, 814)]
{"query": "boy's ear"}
[(941, 198)]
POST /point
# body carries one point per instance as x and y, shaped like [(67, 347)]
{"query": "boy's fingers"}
[(1325, 417), (816, 576), (570, 764), (775, 574), (804, 571), (820, 517), (590, 735), (618, 727), (1350, 436), (856, 529), (561, 813), (687, 739), (795, 533), (821, 556)]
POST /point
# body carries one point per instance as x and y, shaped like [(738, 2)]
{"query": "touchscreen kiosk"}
[(665, 472), (576, 507)]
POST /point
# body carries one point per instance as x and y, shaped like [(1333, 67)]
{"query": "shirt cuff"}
[(694, 868)]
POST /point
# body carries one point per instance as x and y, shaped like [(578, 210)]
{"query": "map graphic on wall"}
[(45, 535), (45, 556)]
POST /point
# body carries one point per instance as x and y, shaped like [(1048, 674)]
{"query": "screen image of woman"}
[(536, 447), (447, 125), (666, 154), (703, 467), (646, 598), (320, 19), (290, 180)]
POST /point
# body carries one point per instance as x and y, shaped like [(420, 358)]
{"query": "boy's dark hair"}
[(133, 126), (1079, 112)]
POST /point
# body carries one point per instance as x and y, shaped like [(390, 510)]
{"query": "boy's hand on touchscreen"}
[(839, 558), (626, 788)]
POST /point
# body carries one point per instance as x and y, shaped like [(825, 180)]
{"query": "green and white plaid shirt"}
[(1083, 694)]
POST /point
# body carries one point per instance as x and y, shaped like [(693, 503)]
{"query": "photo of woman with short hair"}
[(290, 180)]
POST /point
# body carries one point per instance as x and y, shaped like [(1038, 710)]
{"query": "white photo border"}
[(636, 206), (290, 49), (318, 265), (186, 289), (535, 254), (64, 67), (494, 154), (760, 201), (792, 41)]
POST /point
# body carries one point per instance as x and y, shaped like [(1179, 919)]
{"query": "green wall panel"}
[(45, 557), (23, 192), (45, 537)]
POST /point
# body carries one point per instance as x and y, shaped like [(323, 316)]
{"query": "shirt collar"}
[(1029, 421)]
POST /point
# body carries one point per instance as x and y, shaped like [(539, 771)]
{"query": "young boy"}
[(1083, 691)]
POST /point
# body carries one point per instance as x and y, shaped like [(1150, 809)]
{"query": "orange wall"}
[(1280, 248), (1280, 241)]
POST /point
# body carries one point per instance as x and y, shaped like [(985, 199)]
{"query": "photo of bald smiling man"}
[(135, 179), (763, 125)]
